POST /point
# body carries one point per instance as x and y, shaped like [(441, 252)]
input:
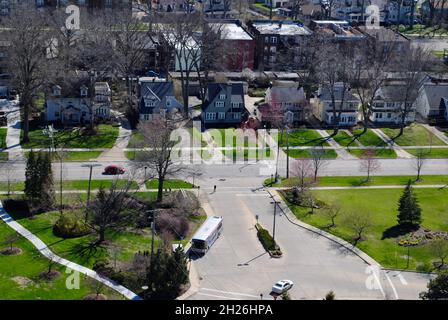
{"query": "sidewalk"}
[(116, 153), (401, 153), (13, 135), (341, 152), (436, 132), (46, 252)]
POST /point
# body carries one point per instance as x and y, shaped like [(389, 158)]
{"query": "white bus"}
[(206, 235)]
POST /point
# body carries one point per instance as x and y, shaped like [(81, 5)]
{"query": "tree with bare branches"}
[(157, 155), (358, 223), (369, 163), (318, 160), (332, 212), (419, 161)]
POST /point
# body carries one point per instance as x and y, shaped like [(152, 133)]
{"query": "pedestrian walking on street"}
[(214, 188)]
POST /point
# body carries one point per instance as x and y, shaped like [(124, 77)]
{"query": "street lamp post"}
[(287, 152), (275, 213)]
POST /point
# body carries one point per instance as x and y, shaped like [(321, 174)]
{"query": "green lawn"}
[(379, 153), (382, 206), (76, 155), (430, 153), (245, 154), (369, 138), (19, 275), (360, 181), (73, 185), (302, 137), (74, 138), (3, 132), (414, 135), (136, 140), (3, 156), (169, 184), (343, 139), (294, 153)]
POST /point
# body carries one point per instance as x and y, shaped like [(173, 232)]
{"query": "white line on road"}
[(392, 285), (230, 292)]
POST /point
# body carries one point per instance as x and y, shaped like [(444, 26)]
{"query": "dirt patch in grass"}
[(23, 282), (11, 251), (49, 276), (94, 296)]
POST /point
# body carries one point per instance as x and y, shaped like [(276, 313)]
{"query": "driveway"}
[(237, 267)]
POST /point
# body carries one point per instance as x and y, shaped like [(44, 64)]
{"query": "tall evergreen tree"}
[(46, 182), (31, 177), (409, 211)]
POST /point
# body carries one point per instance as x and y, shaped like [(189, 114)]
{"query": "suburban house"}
[(273, 38), (345, 103), (286, 98), (337, 30), (238, 46), (444, 108), (224, 105), (156, 98), (389, 102), (400, 11), (429, 100), (389, 38), (73, 105), (277, 3), (171, 5)]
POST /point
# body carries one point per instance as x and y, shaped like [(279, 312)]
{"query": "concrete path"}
[(124, 135), (45, 251), (341, 152), (401, 153), (13, 135), (436, 132)]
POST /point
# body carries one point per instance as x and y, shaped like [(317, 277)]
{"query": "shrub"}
[(267, 241), (172, 222), (18, 208), (70, 227)]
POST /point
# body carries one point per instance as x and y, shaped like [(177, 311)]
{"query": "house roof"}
[(282, 28), (394, 93), (236, 91), (325, 95), (435, 92), (231, 31), (384, 34), (158, 89), (285, 91)]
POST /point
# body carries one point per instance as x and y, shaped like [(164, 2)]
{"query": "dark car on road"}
[(113, 170)]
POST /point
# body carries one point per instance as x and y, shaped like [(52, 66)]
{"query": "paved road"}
[(237, 266)]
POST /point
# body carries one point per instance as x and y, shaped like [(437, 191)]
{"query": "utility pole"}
[(287, 152), (90, 166)]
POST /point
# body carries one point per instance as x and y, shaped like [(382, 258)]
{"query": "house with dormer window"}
[(224, 105), (157, 99), (73, 104)]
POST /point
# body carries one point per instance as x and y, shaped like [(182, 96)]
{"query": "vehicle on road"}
[(206, 235), (282, 286), (113, 170)]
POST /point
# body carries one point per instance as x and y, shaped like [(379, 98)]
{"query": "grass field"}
[(72, 185), (414, 135), (19, 275), (369, 138), (382, 206), (3, 132), (294, 153), (360, 181), (430, 153), (343, 139), (379, 153), (169, 184), (302, 137), (74, 138), (75, 155)]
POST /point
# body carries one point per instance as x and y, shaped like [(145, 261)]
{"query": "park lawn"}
[(382, 205), (72, 185), (27, 266), (73, 155), (136, 140), (246, 154), (379, 153), (169, 184), (4, 156), (303, 137), (369, 138), (3, 132), (74, 138), (342, 138), (304, 153), (81, 250), (413, 135), (430, 153), (357, 181)]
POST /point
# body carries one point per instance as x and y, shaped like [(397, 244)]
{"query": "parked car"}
[(282, 286), (113, 170)]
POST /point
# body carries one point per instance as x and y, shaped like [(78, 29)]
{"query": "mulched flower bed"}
[(420, 237)]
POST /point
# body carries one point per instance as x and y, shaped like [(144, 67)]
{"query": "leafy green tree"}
[(330, 296), (409, 211), (437, 288)]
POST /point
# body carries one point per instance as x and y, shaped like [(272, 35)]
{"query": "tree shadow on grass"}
[(86, 251), (397, 231)]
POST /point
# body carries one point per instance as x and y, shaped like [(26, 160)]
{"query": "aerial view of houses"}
[(223, 150)]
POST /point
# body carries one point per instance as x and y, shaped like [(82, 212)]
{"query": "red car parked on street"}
[(113, 170)]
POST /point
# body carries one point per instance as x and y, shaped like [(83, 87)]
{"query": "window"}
[(274, 39), (390, 105), (219, 104), (235, 104), (379, 115), (221, 115), (266, 48), (273, 49), (210, 116), (147, 117), (272, 59), (149, 103), (168, 102), (389, 115), (222, 96), (236, 116), (266, 39), (108, 3)]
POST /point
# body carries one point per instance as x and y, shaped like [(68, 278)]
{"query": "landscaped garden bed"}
[(268, 242)]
